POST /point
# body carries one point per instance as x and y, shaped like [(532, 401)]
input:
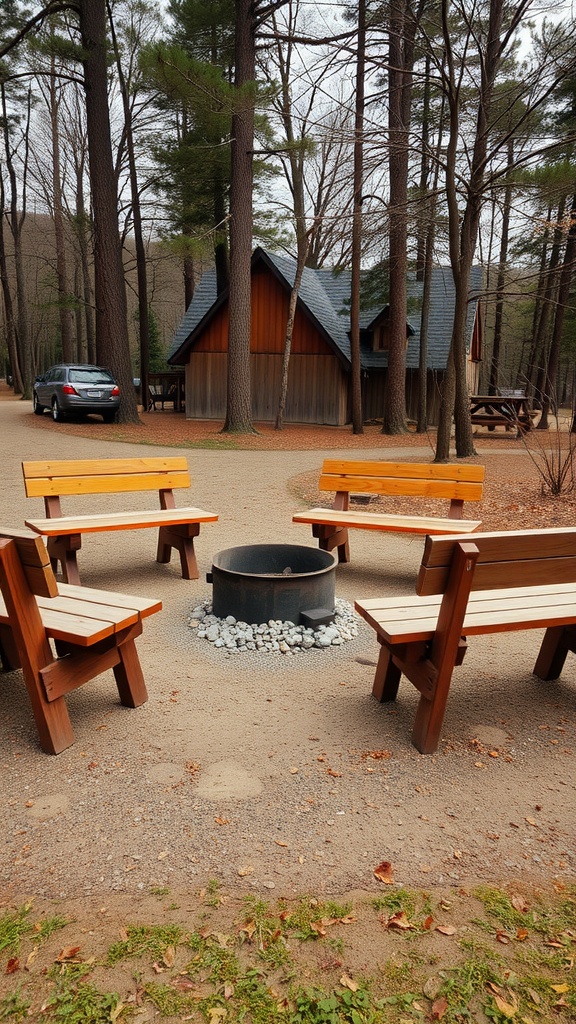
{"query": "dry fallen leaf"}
[(68, 954), (384, 872), (249, 928), (445, 929), (561, 988), (13, 965), (508, 1009), (348, 982), (519, 904), (183, 984), (169, 956), (246, 870), (280, 843), (521, 934), (400, 921), (439, 1007), (222, 821)]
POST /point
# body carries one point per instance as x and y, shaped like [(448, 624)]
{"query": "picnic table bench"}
[(468, 586), (454, 483), (91, 631), (177, 527)]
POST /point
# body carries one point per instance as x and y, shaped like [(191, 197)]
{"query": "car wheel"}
[(56, 413), (38, 409)]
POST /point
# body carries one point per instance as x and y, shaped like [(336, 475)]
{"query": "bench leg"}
[(129, 677), (63, 550), (181, 538), (558, 640), (330, 537), (387, 676), (430, 716)]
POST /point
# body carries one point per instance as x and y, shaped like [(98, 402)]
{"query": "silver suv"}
[(77, 388)]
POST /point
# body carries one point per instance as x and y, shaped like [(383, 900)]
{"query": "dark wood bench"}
[(91, 630), (177, 527), (468, 586), (453, 483)]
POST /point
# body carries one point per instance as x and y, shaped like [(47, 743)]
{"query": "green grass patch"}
[(145, 940), (306, 961)]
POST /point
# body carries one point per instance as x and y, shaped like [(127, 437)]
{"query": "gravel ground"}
[(268, 772)]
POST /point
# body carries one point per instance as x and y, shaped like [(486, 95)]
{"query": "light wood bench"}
[(454, 483), (468, 586), (91, 631), (54, 479)]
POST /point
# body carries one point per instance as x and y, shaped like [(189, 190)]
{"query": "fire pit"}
[(259, 582)]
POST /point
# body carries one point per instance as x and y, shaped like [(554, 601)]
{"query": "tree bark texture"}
[(112, 342), (239, 398)]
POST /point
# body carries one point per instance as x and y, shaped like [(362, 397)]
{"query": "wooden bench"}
[(468, 586), (456, 484), (177, 526), (91, 631)]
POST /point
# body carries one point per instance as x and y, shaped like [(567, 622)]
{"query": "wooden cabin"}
[(319, 382)]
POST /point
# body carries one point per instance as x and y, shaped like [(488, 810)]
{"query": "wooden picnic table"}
[(510, 411)]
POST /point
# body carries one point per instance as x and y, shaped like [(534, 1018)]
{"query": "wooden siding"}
[(317, 388), (268, 327)]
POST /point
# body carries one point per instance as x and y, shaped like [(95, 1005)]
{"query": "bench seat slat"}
[(83, 617), (408, 619), (389, 521), (145, 606), (119, 521)]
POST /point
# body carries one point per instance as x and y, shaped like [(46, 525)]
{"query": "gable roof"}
[(324, 296)]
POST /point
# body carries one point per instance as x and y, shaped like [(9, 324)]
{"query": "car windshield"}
[(90, 375)]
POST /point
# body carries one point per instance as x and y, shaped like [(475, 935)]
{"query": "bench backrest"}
[(460, 482), (101, 476), (34, 560), (515, 558)]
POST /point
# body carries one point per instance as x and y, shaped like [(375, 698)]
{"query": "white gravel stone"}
[(274, 636)]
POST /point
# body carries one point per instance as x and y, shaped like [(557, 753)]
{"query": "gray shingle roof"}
[(325, 296)]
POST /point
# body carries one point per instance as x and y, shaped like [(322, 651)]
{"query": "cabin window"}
[(381, 338)]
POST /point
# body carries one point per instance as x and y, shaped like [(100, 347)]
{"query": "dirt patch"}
[(281, 777)]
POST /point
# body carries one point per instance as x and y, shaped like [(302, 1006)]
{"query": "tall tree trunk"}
[(16, 219), (239, 398), (538, 305), (566, 275), (357, 419), (545, 324), (501, 279), (140, 248), (400, 50), (64, 307), (463, 227), (425, 268), (112, 340), (10, 327)]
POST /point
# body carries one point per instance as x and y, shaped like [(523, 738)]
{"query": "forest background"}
[(139, 145)]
